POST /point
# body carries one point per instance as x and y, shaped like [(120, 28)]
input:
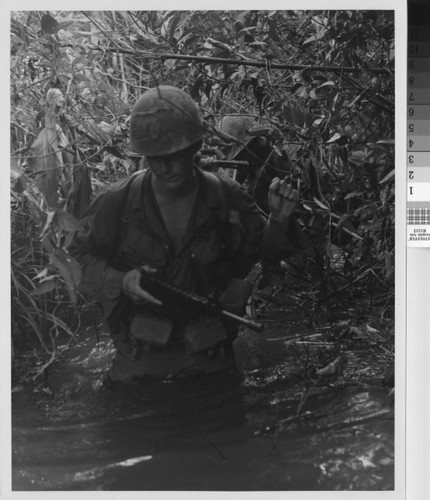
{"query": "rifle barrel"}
[(254, 325), (232, 163)]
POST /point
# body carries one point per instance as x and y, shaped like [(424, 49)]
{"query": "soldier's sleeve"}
[(94, 246), (261, 237), (279, 242), (246, 228)]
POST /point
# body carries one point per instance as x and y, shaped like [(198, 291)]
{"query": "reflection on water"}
[(221, 432)]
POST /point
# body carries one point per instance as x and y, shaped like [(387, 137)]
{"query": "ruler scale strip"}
[(418, 129)]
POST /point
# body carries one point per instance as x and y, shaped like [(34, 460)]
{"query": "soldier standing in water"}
[(193, 229)]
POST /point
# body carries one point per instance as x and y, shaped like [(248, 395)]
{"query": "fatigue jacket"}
[(123, 229)]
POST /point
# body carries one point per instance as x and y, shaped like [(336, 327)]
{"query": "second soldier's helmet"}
[(241, 129), (164, 120)]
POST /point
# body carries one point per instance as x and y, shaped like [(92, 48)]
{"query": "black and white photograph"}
[(202, 253)]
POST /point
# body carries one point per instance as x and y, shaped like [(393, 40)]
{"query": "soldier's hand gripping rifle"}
[(182, 300)]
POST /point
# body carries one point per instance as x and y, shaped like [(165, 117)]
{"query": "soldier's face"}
[(173, 171)]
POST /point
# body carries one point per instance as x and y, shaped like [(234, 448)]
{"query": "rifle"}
[(210, 162), (181, 299), (237, 164)]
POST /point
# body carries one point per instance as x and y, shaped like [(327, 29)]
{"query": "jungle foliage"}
[(322, 82)]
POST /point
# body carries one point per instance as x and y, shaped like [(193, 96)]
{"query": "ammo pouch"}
[(204, 334), (208, 331), (151, 330)]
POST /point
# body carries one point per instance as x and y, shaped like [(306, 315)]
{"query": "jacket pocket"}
[(207, 249), (138, 248)]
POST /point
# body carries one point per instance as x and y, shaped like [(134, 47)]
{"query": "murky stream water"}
[(231, 432)]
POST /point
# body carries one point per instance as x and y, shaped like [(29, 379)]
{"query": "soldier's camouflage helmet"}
[(164, 120), (242, 129)]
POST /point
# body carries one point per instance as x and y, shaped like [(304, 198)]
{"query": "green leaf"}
[(354, 194), (321, 33), (173, 24), (334, 138), (388, 176), (65, 221), (295, 116), (46, 286), (68, 240), (320, 204), (49, 218), (69, 269), (17, 177), (386, 141), (54, 97), (216, 20), (328, 83), (46, 162), (42, 274), (258, 44), (46, 244), (49, 25)]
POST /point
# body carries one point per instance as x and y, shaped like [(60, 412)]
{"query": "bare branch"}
[(247, 62)]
